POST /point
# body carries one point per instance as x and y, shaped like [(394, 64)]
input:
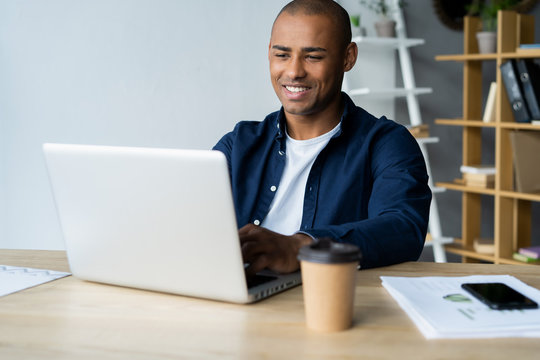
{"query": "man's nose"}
[(296, 69)]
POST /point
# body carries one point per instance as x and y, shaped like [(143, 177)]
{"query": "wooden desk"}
[(74, 319)]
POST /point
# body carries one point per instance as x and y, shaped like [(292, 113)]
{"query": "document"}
[(440, 308), (14, 278)]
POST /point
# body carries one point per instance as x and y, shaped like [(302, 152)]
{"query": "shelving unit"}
[(402, 44), (512, 222)]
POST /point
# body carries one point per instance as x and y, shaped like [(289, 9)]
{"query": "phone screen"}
[(499, 296)]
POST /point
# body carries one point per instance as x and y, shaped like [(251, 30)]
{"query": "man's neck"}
[(304, 127)]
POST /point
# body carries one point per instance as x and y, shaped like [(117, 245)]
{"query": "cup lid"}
[(326, 251)]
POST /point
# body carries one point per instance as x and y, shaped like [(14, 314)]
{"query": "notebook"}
[(154, 219)]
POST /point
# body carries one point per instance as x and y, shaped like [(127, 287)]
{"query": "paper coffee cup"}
[(329, 282)]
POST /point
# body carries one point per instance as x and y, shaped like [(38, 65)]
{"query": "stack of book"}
[(528, 254), (484, 246), (479, 176), (521, 79)]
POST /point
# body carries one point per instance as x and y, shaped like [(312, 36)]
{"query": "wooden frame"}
[(512, 222)]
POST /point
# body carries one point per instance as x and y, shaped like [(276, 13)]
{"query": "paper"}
[(440, 308), (13, 278)]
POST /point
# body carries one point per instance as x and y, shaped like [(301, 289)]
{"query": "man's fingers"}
[(253, 249), (259, 263), (246, 233)]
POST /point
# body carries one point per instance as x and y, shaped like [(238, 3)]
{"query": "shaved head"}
[(337, 14)]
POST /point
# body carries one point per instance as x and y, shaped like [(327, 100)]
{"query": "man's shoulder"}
[(248, 132), (369, 124), (270, 122)]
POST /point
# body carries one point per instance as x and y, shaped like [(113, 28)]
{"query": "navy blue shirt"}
[(368, 186)]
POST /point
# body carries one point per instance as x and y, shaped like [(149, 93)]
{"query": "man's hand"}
[(262, 248)]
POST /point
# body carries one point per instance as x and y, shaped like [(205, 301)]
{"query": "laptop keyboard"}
[(255, 280)]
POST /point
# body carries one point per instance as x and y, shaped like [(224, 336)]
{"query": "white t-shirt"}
[(285, 215)]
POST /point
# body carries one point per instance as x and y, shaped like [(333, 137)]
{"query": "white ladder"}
[(410, 91)]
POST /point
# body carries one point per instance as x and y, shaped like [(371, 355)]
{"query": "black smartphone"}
[(499, 296)]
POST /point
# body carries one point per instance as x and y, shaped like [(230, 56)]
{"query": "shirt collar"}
[(347, 109)]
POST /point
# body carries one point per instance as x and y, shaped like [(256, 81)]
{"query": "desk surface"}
[(71, 318)]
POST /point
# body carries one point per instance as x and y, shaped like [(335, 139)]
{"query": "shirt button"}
[(310, 188), (257, 222), (281, 153), (273, 188)]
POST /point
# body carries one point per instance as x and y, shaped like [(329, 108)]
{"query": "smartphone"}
[(499, 296)]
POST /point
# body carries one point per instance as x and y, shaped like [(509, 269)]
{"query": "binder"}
[(525, 150), (529, 76), (514, 92)]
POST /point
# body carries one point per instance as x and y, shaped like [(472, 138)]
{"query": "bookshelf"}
[(512, 222)]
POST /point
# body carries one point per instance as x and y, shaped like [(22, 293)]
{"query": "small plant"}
[(355, 20), (380, 7), (487, 10)]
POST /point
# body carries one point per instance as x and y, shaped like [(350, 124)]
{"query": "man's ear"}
[(351, 53)]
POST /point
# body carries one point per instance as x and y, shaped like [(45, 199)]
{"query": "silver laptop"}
[(155, 219)]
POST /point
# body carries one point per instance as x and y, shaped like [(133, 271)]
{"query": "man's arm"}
[(398, 207)]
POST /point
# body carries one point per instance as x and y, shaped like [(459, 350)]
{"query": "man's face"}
[(307, 61)]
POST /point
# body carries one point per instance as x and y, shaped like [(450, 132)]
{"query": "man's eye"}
[(314, 57), (280, 55)]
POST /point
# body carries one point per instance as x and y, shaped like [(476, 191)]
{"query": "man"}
[(322, 167)]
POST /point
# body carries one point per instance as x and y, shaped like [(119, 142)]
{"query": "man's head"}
[(309, 51), (330, 8)]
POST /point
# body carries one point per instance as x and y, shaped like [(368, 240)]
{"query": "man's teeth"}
[(296, 88)]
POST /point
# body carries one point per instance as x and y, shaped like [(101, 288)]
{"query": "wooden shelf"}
[(512, 209), (465, 188), (480, 123), (466, 57), (519, 196), (522, 53), (488, 191), (459, 249), (461, 122), (521, 126), (529, 53)]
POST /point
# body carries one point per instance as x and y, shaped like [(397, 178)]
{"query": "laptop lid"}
[(156, 219)]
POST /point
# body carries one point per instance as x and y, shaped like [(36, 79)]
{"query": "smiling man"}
[(321, 166)]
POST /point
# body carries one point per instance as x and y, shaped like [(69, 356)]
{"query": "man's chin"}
[(298, 110)]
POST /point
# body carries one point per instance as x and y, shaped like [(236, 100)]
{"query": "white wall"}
[(156, 73), (124, 72)]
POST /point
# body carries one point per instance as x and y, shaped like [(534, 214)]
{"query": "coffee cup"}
[(329, 281)]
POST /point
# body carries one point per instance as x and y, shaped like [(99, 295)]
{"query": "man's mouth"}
[(296, 89)]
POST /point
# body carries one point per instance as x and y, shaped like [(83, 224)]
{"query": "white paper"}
[(440, 308), (13, 278)]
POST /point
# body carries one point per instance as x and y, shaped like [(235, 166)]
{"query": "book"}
[(481, 180), (525, 150), (529, 46), (523, 258), (478, 169), (532, 251), (484, 246), (514, 91), (529, 76), (489, 110)]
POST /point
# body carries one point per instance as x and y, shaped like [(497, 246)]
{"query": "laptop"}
[(154, 219)]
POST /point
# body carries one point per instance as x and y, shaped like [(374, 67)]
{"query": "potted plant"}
[(385, 26), (355, 25), (487, 10)]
